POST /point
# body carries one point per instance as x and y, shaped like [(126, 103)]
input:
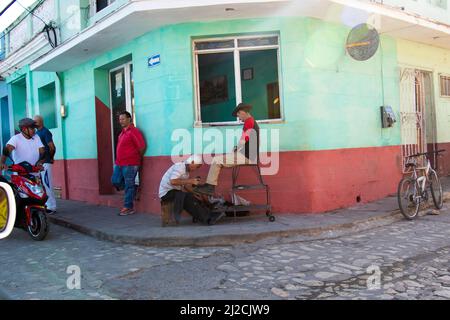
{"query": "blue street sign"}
[(154, 60)]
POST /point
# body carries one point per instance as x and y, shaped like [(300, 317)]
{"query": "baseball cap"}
[(241, 106), (196, 159), (27, 122)]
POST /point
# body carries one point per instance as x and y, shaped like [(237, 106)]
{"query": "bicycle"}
[(413, 189)]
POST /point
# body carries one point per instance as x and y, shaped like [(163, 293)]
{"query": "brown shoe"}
[(207, 189), (126, 212)]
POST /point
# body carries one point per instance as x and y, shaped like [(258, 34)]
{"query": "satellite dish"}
[(362, 42)]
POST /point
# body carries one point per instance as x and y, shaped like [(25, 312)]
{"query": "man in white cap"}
[(176, 186)]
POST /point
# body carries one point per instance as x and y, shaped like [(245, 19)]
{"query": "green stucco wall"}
[(19, 100), (329, 101), (47, 105)]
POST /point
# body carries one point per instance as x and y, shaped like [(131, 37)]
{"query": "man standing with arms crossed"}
[(47, 175)]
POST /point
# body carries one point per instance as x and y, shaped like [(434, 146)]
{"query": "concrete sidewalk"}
[(144, 229)]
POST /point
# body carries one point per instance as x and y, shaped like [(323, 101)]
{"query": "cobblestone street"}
[(410, 258)]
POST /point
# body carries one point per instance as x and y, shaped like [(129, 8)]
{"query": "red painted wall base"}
[(443, 162), (307, 181)]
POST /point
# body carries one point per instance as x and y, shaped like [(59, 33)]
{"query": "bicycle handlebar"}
[(426, 153), (13, 168)]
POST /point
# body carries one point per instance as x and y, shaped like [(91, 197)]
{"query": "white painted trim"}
[(24, 56), (280, 82), (214, 51), (237, 123), (237, 74), (418, 67), (92, 8), (197, 109), (128, 104), (225, 38), (112, 116), (258, 48), (391, 12), (176, 4)]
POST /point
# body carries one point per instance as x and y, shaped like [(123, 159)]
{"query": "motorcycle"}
[(30, 197)]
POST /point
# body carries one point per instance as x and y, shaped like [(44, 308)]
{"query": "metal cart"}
[(239, 187)]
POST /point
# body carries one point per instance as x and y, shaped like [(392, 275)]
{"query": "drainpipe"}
[(63, 135)]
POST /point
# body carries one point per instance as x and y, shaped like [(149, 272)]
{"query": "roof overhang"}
[(139, 16), (20, 58)]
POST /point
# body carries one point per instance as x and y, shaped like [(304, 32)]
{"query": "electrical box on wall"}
[(387, 117)]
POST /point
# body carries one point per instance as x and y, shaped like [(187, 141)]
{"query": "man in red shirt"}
[(129, 155), (245, 152)]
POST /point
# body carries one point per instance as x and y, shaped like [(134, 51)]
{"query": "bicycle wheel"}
[(436, 190), (407, 196)]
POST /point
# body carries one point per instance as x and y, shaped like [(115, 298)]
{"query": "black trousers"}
[(186, 201)]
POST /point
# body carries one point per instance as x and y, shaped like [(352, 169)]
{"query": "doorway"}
[(5, 121), (122, 98), (417, 114)]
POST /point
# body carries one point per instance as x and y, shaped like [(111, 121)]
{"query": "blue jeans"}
[(124, 178)]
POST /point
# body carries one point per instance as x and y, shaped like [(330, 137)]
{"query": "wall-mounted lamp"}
[(63, 111)]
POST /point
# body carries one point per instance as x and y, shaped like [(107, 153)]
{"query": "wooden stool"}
[(167, 218)]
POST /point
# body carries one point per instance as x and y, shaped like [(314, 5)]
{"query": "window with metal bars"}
[(445, 86)]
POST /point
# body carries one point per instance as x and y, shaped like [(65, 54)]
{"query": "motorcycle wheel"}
[(39, 227)]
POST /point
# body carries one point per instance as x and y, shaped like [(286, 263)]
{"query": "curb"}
[(231, 239), (220, 240)]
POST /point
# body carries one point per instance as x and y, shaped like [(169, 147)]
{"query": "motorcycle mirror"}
[(7, 210)]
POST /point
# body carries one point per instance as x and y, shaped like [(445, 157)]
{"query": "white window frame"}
[(441, 76), (93, 6), (237, 74), (2, 46)]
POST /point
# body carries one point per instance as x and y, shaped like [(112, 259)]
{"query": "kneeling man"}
[(176, 189)]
